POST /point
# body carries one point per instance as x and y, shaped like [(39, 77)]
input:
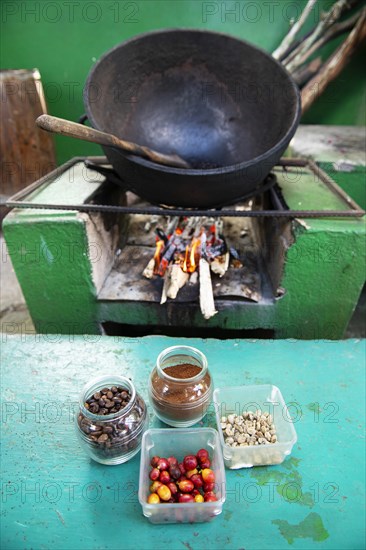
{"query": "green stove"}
[(79, 244)]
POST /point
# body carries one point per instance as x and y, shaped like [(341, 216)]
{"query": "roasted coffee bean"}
[(108, 400), (111, 438)]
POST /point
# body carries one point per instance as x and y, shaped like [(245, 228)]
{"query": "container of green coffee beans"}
[(111, 420)]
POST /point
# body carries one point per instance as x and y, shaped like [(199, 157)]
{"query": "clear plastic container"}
[(268, 398), (180, 442), (123, 428), (180, 386)]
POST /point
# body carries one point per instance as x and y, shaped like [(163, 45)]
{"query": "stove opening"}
[(126, 331), (132, 303)]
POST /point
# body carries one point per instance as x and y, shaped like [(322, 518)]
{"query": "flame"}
[(192, 261), (159, 247), (185, 263), (190, 264)]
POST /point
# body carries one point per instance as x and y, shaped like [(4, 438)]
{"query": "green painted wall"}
[(63, 40)]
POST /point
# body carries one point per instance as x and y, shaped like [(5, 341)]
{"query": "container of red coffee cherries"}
[(182, 475)]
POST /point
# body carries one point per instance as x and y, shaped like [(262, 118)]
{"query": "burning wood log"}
[(153, 265), (172, 225), (193, 279), (164, 294), (165, 260), (188, 254), (207, 303), (148, 272), (220, 264), (178, 279)]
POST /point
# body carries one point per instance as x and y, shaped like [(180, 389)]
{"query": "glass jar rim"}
[(182, 350), (101, 381)]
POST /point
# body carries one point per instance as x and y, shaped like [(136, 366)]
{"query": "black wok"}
[(223, 105)]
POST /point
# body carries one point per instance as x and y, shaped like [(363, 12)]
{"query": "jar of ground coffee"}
[(111, 420), (180, 386)]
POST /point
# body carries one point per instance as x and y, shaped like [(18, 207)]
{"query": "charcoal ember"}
[(161, 234), (235, 258), (234, 253), (217, 249)]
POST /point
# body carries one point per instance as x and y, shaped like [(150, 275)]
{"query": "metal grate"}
[(19, 200)]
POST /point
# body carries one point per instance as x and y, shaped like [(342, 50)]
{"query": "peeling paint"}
[(288, 483), (310, 527)]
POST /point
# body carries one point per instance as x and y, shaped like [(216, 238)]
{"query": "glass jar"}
[(116, 437), (180, 386)]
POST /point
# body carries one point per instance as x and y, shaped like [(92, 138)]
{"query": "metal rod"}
[(155, 210), (17, 200)]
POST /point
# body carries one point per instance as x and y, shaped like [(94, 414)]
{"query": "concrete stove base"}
[(62, 260)]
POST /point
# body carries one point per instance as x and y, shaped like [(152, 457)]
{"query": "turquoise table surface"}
[(55, 497)]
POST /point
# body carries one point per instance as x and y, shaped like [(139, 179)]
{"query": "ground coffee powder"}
[(185, 370), (179, 400)]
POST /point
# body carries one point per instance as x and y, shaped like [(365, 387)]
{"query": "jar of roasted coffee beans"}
[(180, 386), (111, 420)]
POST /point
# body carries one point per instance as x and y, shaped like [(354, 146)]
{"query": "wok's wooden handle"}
[(72, 129)]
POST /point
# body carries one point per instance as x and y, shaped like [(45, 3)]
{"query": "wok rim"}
[(231, 168)]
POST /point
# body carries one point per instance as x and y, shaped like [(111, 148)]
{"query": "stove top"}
[(36, 196)]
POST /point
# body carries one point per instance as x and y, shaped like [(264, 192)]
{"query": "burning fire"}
[(188, 252), (157, 255), (184, 245), (192, 256)]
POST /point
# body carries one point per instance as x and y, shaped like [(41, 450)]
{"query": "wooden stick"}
[(329, 18), (295, 45), (178, 278), (333, 32), (220, 264), (303, 75), (148, 272), (334, 65), (207, 303), (166, 285), (290, 37), (72, 129)]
